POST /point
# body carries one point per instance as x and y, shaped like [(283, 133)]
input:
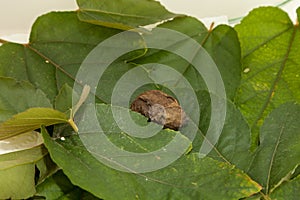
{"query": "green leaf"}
[(122, 14), (58, 186), (11, 93), (233, 145), (19, 157), (52, 58), (17, 182), (288, 190), (46, 167), (221, 43), (17, 173), (63, 101), (20, 62), (280, 137), (30, 120), (23, 141), (161, 142), (201, 175), (270, 49)]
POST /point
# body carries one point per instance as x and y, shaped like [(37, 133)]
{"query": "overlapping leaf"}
[(233, 145), (59, 43), (270, 48), (221, 43), (59, 186), (63, 101), (20, 63), (20, 142), (19, 164), (279, 151), (17, 96), (30, 120), (122, 14), (167, 182)]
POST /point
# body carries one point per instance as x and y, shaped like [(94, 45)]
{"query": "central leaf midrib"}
[(272, 159)]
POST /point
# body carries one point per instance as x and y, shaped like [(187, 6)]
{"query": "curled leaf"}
[(30, 120)]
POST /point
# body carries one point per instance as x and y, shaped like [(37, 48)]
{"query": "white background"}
[(17, 16)]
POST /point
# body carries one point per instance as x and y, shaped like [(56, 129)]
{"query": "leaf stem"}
[(272, 160), (85, 93), (72, 123), (266, 197)]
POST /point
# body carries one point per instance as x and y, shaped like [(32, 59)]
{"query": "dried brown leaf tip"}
[(160, 108)]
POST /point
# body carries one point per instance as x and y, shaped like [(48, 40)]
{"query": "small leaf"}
[(21, 63), (280, 136), (17, 171), (58, 186), (24, 156), (123, 14), (63, 101), (23, 141), (31, 119), (46, 167), (17, 96)]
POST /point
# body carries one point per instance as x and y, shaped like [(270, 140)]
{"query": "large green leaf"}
[(279, 151), (59, 42), (270, 48), (20, 62), (166, 145), (232, 147), (201, 175), (122, 14), (30, 120), (17, 173), (221, 43), (17, 96)]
